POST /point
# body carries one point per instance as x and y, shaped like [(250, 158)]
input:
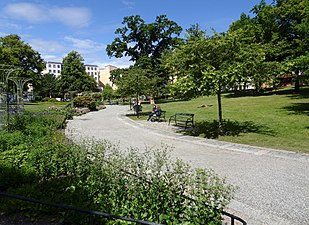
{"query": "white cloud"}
[(52, 58), (85, 45), (8, 24), (27, 11), (128, 4), (118, 62), (72, 16), (45, 46), (33, 13)]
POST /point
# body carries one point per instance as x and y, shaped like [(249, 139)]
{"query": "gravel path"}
[(273, 184)]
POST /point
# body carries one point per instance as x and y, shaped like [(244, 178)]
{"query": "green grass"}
[(41, 106), (279, 121)]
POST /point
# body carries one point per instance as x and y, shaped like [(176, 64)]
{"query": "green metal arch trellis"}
[(10, 102)]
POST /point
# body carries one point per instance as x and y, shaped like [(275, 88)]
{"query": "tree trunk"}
[(219, 106), (296, 85)]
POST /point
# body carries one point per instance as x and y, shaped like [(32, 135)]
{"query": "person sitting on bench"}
[(156, 111)]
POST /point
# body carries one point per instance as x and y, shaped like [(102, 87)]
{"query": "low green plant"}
[(47, 99), (97, 175), (85, 101)]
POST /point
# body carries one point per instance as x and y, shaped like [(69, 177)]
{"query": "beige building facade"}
[(105, 74), (101, 75)]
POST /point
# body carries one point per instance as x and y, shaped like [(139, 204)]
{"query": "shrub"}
[(8, 140), (85, 101), (97, 96), (47, 99), (153, 187), (146, 185)]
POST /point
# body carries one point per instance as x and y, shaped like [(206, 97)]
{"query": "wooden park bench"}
[(182, 119)]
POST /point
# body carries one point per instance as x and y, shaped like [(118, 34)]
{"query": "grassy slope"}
[(278, 121)]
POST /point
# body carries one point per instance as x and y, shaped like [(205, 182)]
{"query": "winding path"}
[(273, 184)]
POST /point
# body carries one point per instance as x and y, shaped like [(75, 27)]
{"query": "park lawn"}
[(42, 106), (279, 121)]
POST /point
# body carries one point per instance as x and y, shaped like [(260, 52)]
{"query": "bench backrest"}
[(184, 114)]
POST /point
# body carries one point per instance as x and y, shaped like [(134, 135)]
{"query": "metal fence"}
[(103, 214)]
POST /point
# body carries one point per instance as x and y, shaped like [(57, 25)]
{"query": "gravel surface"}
[(273, 184)]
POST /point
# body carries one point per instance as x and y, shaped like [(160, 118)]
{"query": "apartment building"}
[(93, 70), (105, 74), (56, 67), (101, 75), (53, 67)]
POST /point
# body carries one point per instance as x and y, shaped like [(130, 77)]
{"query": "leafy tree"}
[(48, 84), (208, 65), (283, 28), (73, 76), (132, 81), (14, 52), (108, 93), (137, 39), (144, 44)]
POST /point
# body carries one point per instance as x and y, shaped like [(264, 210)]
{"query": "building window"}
[(54, 71), (49, 65), (58, 71), (54, 66), (95, 73), (58, 66), (50, 71)]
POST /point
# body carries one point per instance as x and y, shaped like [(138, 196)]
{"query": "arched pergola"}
[(10, 102)]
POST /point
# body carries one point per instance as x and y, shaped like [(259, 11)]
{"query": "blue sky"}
[(56, 27)]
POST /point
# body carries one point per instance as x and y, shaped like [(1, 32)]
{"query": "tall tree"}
[(208, 65), (73, 76), (15, 52), (48, 84), (283, 28), (145, 43), (131, 82)]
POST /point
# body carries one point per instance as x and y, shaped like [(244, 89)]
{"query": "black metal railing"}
[(76, 209), (232, 217)]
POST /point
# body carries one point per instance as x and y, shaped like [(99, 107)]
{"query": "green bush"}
[(48, 99), (85, 101), (152, 187), (97, 96), (141, 184), (8, 140)]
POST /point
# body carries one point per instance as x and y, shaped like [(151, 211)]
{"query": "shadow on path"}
[(229, 128)]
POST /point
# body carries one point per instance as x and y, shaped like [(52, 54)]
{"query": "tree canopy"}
[(138, 39), (73, 76), (15, 52), (145, 44)]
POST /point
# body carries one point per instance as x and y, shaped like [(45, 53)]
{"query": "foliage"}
[(47, 86), (85, 101), (137, 39), (133, 81), (144, 44), (108, 93), (98, 176), (282, 28), (73, 76), (14, 52), (48, 99), (207, 65)]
